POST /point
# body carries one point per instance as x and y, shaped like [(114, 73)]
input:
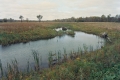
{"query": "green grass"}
[(26, 36)]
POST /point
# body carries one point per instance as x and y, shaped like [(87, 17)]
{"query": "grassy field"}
[(102, 64)]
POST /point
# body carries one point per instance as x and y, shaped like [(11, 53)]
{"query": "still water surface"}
[(23, 52)]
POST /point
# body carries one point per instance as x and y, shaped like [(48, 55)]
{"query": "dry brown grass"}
[(24, 26), (107, 25), (18, 26)]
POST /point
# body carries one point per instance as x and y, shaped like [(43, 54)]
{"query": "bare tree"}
[(39, 17), (21, 17)]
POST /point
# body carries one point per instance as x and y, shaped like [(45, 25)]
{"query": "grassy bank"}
[(95, 65), (11, 33), (98, 65)]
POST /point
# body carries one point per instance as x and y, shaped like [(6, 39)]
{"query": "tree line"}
[(103, 18), (21, 19)]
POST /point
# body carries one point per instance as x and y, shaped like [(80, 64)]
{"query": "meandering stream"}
[(23, 52)]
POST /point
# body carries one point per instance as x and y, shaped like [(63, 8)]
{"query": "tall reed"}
[(12, 71), (28, 67), (50, 58), (1, 68), (64, 55), (85, 48), (59, 57), (37, 60)]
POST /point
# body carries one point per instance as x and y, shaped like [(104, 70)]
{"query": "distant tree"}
[(103, 18), (109, 18), (11, 20), (5, 20), (72, 19), (21, 17), (1, 20), (117, 17), (80, 19), (39, 17), (27, 19)]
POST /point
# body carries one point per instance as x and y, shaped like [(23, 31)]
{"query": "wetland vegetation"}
[(102, 64), (23, 32)]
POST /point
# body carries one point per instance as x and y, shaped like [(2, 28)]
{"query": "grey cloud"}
[(51, 9)]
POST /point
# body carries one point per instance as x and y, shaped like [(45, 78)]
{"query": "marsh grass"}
[(37, 60), (64, 55), (50, 58), (12, 70), (54, 58), (101, 64), (12, 33), (28, 67), (59, 57), (1, 68)]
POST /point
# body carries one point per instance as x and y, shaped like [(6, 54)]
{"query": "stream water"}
[(23, 51)]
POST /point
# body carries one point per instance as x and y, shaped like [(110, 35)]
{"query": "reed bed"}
[(13, 72)]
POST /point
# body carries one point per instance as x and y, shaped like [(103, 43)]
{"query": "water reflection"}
[(23, 52)]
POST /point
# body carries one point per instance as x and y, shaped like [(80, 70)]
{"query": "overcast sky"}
[(57, 9)]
